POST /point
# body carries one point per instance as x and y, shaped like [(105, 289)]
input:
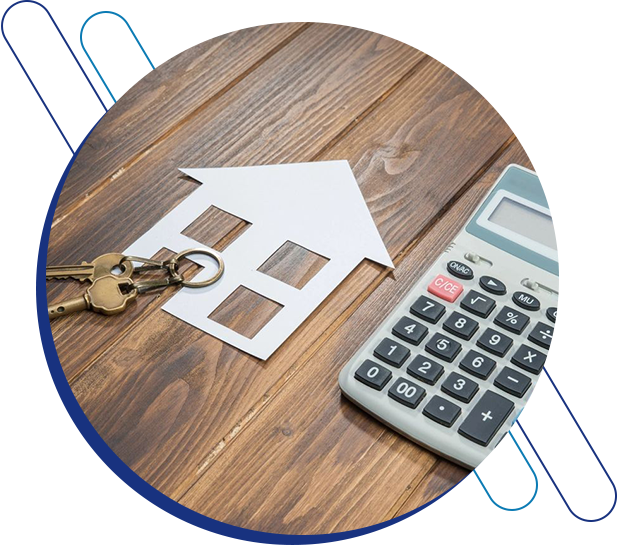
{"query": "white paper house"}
[(317, 206)]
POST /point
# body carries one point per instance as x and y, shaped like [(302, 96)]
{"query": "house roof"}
[(318, 206)]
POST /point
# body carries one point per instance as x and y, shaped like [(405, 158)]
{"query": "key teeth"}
[(67, 277)]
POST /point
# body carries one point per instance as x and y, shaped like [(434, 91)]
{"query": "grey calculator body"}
[(454, 376)]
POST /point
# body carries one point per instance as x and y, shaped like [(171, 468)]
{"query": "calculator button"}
[(391, 352), (551, 314), (460, 387), (542, 335), (409, 330), (477, 364), (526, 300), (407, 393), (529, 359), (445, 288), (425, 369), (427, 309), (478, 304), (512, 320), (442, 411), (492, 285), (460, 325), (486, 418), (460, 270), (513, 382), (372, 374), (494, 342), (443, 347)]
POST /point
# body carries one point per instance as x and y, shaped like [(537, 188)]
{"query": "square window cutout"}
[(216, 228), (245, 312), (293, 265)]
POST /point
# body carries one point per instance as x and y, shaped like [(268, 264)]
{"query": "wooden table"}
[(271, 445)]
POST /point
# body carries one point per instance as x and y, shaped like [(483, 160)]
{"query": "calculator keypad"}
[(463, 358)]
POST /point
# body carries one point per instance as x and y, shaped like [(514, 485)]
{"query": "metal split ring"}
[(173, 263)]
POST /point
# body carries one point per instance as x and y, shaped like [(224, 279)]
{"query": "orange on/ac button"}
[(445, 288)]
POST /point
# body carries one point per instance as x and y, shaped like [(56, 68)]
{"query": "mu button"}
[(445, 288)]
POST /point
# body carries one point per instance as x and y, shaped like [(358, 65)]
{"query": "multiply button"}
[(445, 288), (526, 300), (529, 359)]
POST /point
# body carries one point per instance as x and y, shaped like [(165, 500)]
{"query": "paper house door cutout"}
[(317, 206)]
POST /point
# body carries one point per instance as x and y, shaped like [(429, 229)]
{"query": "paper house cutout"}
[(317, 206)]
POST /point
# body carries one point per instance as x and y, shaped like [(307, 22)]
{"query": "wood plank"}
[(325, 465), (164, 99), (225, 390), (284, 106), (497, 38), (439, 480)]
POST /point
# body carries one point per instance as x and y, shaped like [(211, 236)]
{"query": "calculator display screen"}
[(567, 237)]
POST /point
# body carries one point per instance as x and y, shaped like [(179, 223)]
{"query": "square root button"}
[(445, 288)]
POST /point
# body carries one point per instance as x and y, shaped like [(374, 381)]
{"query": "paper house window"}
[(314, 211)]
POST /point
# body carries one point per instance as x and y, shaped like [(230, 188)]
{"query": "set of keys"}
[(112, 286)]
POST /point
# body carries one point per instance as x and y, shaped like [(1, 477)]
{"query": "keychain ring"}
[(203, 251)]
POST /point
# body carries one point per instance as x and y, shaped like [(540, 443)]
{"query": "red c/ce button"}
[(445, 288)]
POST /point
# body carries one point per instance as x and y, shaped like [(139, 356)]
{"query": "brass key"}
[(107, 295), (102, 266)]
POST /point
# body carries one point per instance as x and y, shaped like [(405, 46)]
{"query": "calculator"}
[(452, 367)]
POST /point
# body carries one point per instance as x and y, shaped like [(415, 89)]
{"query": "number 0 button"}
[(407, 393), (372, 374)]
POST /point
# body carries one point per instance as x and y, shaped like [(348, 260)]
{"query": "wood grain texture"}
[(271, 445), (163, 100), (242, 389)]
